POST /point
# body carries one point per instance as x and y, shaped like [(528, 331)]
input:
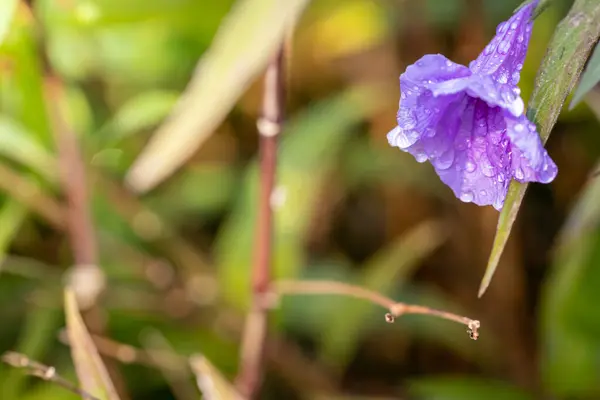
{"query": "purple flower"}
[(470, 122)]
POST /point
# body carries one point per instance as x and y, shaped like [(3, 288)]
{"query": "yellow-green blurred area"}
[(349, 208)]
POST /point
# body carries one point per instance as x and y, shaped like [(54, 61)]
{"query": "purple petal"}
[(530, 160), (467, 128), (503, 57)]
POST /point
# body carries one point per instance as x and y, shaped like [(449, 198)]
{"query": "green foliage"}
[(177, 259), (565, 58)]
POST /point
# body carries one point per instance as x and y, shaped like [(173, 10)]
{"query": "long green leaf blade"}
[(92, 373), (241, 49), (566, 56), (589, 79)]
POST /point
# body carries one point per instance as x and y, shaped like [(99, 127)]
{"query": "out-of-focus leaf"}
[(308, 151), (570, 316), (12, 216), (311, 315), (92, 373), (203, 190), (241, 49), (458, 388), (589, 78), (388, 269), (21, 94), (139, 113), (7, 10), (19, 145), (560, 69), (36, 338), (210, 381)]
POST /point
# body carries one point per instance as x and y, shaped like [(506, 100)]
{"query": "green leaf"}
[(35, 340), (388, 269), (20, 145), (92, 374), (142, 112), (12, 215), (21, 95), (558, 74), (589, 79), (210, 381), (570, 317), (460, 388), (240, 51), (7, 10)]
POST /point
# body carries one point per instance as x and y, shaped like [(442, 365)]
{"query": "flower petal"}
[(419, 108), (481, 169), (530, 160), (486, 89), (503, 57)]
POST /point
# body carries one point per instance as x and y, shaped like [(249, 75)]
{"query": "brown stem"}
[(87, 277), (394, 308), (255, 330), (44, 372)]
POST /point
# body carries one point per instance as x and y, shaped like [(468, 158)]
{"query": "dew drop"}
[(470, 166), (486, 167), (520, 38), (504, 47), (466, 197), (513, 25), (429, 132), (421, 157), (406, 119), (406, 138), (519, 127), (519, 173), (519, 66), (501, 28), (482, 193), (445, 160), (448, 63), (503, 78)]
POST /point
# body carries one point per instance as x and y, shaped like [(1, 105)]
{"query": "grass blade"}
[(247, 39), (92, 374), (566, 56), (210, 381), (589, 79)]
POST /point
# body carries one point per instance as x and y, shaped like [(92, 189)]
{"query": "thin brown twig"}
[(395, 309), (255, 331), (44, 372), (87, 277)]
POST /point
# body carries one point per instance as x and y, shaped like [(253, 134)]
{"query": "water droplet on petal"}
[(445, 160), (486, 167), (482, 193), (504, 47), (406, 119), (406, 138), (421, 157), (519, 173), (470, 165), (466, 197), (519, 128), (520, 38)]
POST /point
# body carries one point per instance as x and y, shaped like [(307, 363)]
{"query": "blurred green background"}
[(177, 259)]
